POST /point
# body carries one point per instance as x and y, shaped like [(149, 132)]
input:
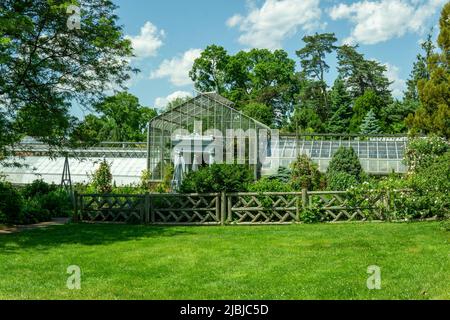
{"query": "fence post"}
[(223, 208), (230, 218), (75, 207), (387, 203), (147, 207), (304, 198)]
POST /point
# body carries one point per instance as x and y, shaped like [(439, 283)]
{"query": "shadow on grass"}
[(83, 234)]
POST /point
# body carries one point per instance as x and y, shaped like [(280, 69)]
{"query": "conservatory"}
[(207, 129)]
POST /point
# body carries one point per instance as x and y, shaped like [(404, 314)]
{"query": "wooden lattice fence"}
[(234, 208)]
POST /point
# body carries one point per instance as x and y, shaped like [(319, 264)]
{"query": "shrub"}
[(37, 187), (56, 202), (345, 160), (422, 151), (344, 169), (341, 181), (217, 178), (33, 212), (269, 185), (305, 174), (11, 204), (102, 179), (283, 174)]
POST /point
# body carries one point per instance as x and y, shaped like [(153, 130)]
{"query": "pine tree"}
[(420, 70), (433, 116), (341, 108), (370, 124)]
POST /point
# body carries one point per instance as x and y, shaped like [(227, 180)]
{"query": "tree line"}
[(45, 67)]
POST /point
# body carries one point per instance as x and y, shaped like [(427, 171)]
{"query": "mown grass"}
[(259, 262)]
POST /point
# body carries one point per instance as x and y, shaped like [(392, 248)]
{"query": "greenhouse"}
[(188, 131), (201, 131)]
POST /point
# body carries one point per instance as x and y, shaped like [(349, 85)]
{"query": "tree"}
[(305, 119), (312, 59), (209, 70), (433, 115), (260, 112), (370, 124), (361, 75), (344, 169), (393, 115), (340, 108), (44, 66), (304, 174), (120, 118), (258, 75), (420, 70), (363, 104)]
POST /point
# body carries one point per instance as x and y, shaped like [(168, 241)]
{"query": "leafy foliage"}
[(421, 151), (433, 115), (121, 118), (305, 174), (344, 169), (45, 66), (369, 124), (11, 203), (269, 185), (102, 178), (217, 178)]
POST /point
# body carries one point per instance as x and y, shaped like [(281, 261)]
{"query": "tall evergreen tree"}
[(340, 108), (370, 124), (361, 75), (314, 66), (433, 115), (420, 70)]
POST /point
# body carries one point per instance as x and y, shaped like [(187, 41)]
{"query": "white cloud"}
[(177, 69), (399, 84), (147, 43), (378, 21), (276, 20), (162, 102)]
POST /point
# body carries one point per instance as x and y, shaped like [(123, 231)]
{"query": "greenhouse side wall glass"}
[(191, 127)]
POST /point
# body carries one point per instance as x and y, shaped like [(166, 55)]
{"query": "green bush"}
[(341, 181), (57, 203), (11, 204), (420, 152), (304, 174), (217, 178), (102, 179), (33, 212), (37, 187), (269, 185), (344, 170), (345, 160)]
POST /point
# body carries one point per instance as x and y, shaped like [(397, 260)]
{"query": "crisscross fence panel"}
[(335, 206), (149, 208), (111, 208), (263, 208), (185, 208), (239, 208)]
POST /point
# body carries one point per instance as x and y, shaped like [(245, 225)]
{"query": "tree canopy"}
[(44, 66)]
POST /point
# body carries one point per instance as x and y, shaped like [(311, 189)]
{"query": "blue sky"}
[(168, 35)]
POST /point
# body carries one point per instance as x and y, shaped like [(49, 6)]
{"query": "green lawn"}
[(259, 262)]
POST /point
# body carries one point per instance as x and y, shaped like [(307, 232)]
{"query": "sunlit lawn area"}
[(258, 262)]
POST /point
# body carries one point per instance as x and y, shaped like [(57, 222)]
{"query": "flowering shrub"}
[(422, 151)]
